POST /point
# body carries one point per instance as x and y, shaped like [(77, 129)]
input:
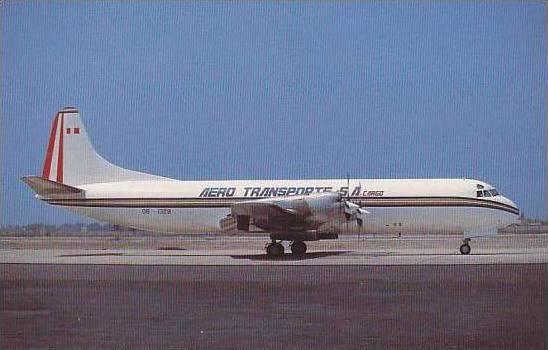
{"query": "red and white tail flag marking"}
[(53, 163)]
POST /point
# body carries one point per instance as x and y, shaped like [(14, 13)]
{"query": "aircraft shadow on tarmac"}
[(288, 257), (90, 254)]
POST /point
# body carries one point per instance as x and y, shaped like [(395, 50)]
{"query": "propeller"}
[(353, 211)]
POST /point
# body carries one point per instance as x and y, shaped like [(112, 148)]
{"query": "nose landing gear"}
[(465, 247)]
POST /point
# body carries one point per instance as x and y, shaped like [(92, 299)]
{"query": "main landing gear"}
[(276, 249), (465, 247), (298, 248)]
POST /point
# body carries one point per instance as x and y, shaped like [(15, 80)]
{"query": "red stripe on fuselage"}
[(60, 158), (49, 152)]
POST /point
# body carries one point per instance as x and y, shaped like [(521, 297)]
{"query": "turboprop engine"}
[(296, 213)]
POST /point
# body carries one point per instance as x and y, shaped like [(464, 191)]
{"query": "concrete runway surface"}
[(379, 292), (218, 250)]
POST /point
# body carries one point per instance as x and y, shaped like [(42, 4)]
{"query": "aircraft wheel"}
[(275, 249), (298, 248), (465, 249)]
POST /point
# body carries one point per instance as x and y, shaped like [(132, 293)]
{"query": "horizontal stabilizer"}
[(45, 187)]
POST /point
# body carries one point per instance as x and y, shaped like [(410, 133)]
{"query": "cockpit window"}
[(487, 193)]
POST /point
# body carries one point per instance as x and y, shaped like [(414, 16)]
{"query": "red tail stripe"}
[(49, 152), (60, 158)]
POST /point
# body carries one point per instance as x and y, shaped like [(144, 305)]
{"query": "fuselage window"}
[(486, 193), (494, 192), (480, 193)]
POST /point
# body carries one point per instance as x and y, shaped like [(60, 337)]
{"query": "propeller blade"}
[(354, 212), (350, 207), (362, 211)]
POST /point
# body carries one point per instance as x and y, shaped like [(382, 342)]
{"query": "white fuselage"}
[(394, 205), (74, 176)]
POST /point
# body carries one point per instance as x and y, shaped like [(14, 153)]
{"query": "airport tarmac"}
[(219, 292), (349, 250)]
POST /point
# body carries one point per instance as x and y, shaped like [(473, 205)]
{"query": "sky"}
[(274, 90)]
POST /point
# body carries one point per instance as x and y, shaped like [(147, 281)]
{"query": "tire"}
[(465, 249), (275, 250), (298, 248)]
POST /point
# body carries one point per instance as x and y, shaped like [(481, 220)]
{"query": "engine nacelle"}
[(317, 208)]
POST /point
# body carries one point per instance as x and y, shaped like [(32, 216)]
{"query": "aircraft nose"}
[(509, 202)]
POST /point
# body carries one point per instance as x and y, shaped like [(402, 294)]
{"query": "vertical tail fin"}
[(72, 160)]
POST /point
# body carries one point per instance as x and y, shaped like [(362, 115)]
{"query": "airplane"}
[(77, 178)]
